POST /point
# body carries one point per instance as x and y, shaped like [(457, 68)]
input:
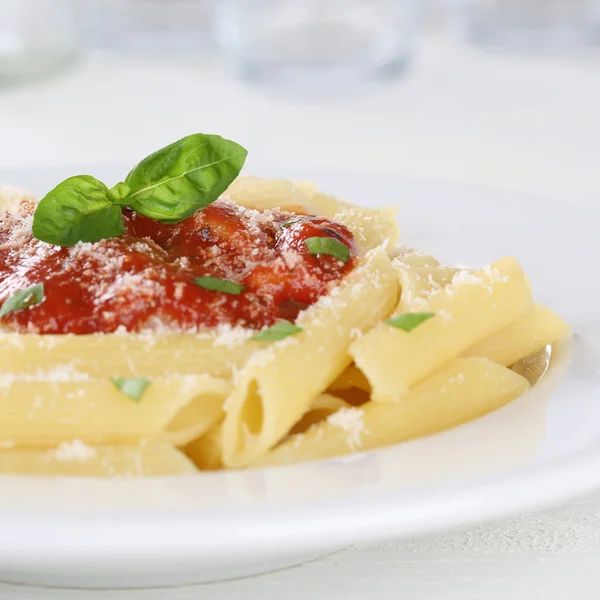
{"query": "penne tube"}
[(409, 257), (461, 391), (199, 416), (47, 412), (322, 407), (352, 377), (324, 204), (299, 368), (261, 194), (470, 309), (417, 283), (207, 451), (524, 337), (371, 227), (217, 354), (74, 458)]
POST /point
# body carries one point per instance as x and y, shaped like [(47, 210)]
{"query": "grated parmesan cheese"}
[(445, 315), (494, 274), (291, 258), (232, 336), (350, 420), (64, 372), (74, 451), (465, 278)]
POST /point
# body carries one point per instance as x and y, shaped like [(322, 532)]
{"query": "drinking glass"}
[(323, 40), (36, 36), (151, 26), (528, 23)]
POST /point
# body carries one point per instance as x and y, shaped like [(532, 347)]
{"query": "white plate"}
[(541, 449)]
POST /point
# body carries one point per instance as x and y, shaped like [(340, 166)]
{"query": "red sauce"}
[(145, 278)]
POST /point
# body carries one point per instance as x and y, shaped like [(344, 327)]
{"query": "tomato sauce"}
[(144, 280)]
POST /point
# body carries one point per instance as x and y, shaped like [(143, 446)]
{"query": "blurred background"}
[(500, 92)]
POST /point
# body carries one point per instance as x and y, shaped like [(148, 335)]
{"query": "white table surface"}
[(529, 124)]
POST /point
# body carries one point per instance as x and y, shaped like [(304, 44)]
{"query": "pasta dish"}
[(191, 319)]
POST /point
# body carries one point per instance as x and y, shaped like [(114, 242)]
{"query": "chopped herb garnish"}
[(330, 246), (292, 221), (31, 296), (216, 284), (280, 330), (134, 387), (409, 321)]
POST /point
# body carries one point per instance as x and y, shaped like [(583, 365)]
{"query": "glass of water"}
[(317, 40), (36, 37), (151, 27), (528, 23)]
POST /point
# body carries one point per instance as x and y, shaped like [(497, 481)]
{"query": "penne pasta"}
[(48, 412), (254, 192), (461, 391), (523, 338), (417, 283), (371, 227), (409, 257), (207, 451), (470, 309), (194, 334), (149, 355), (74, 458), (324, 204), (256, 418), (198, 416), (352, 377), (322, 407)]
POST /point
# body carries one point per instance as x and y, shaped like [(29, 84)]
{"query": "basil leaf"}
[(77, 210), (409, 321), (175, 182), (134, 387), (31, 296), (330, 246), (280, 330), (217, 284), (292, 221)]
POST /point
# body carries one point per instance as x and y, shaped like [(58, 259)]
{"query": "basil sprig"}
[(169, 186), (409, 321), (30, 296)]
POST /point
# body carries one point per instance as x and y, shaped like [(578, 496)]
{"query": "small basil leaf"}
[(217, 284), (31, 296), (293, 220), (77, 210), (409, 321), (118, 193), (330, 246), (134, 387), (177, 181), (280, 330)]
